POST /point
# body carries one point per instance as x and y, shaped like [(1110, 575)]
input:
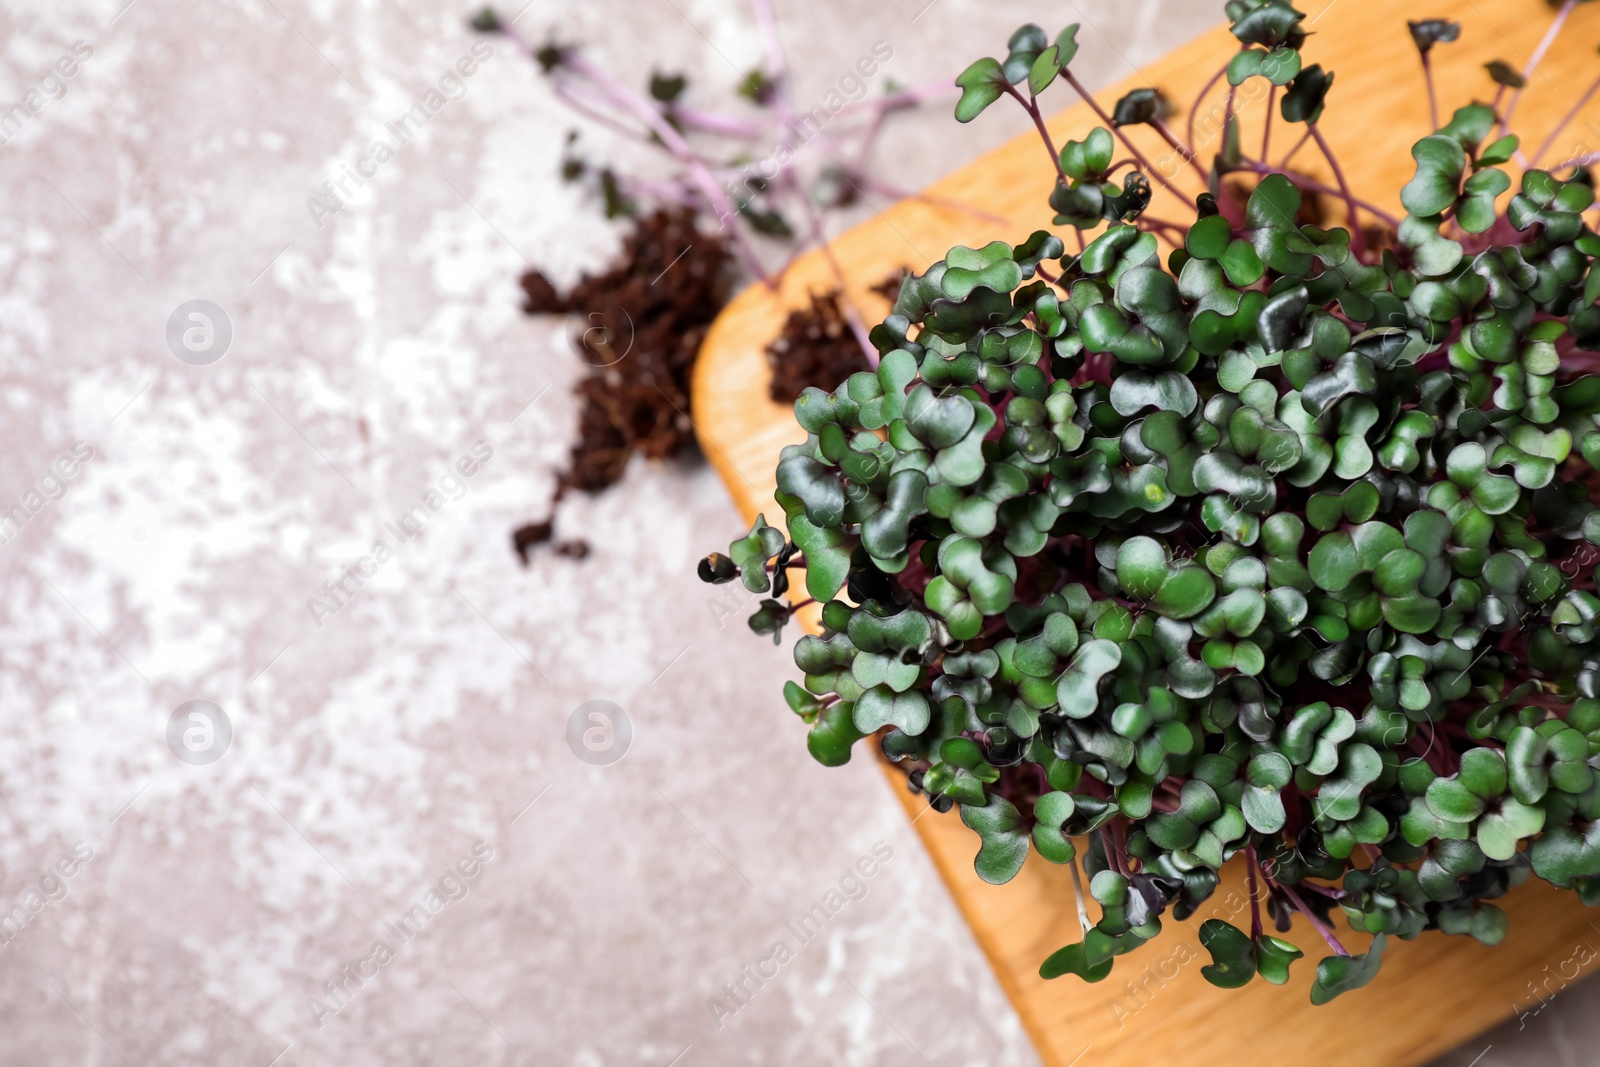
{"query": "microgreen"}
[(1239, 537)]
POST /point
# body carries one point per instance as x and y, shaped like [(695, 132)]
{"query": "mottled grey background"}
[(422, 727)]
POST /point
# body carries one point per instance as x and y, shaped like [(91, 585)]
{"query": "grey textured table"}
[(392, 731)]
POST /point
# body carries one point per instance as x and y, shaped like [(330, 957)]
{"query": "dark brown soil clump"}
[(641, 324)]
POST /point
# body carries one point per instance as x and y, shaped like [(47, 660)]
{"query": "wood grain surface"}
[(1434, 993)]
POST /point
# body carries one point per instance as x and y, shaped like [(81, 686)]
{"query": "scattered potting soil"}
[(645, 319), (816, 348), (526, 538), (642, 321)]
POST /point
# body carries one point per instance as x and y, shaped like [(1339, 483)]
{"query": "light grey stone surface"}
[(422, 726)]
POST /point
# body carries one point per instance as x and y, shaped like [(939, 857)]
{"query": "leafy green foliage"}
[(1276, 548)]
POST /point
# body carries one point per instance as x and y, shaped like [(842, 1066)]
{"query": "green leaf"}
[(1233, 955), (1043, 71), (881, 706), (1078, 690), (1340, 974), (1052, 811), (981, 84), (1085, 959), (1067, 45), (1307, 94), (1441, 161), (1005, 844), (1273, 957), (832, 735), (1024, 49)]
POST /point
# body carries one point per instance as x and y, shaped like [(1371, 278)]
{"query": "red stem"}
[(1266, 130), (1284, 162), (1032, 108), (1316, 923), (1372, 209), (1565, 120), (1227, 118), (1129, 145), (1533, 62), (1433, 96), (1358, 242), (1195, 109), (1179, 147)]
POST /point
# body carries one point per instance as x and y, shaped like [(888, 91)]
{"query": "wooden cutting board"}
[(1434, 993)]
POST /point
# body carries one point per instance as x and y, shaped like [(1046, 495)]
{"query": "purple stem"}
[(1133, 149), (584, 108), (1227, 117), (917, 94), (1261, 168), (711, 122), (1195, 109), (1321, 927), (1433, 96), (1032, 108), (1284, 162), (774, 44), (1538, 54), (1565, 120), (860, 331), (651, 116), (1188, 154), (1583, 160), (1358, 242), (1266, 130)]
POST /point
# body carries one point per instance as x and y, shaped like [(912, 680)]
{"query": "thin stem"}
[(1358, 242), (711, 122), (1433, 95), (570, 97), (1255, 894), (850, 315), (1316, 186), (1317, 924), (917, 94), (774, 44), (871, 138), (1538, 54), (1195, 108), (1565, 121), (1032, 108), (1077, 895), (673, 141), (1583, 160), (1179, 147), (1266, 130), (1227, 117), (1133, 150), (1304, 137)]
